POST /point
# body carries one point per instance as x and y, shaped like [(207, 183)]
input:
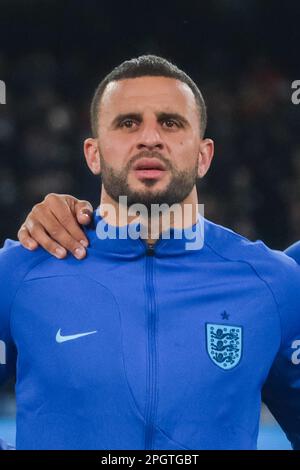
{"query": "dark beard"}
[(180, 186)]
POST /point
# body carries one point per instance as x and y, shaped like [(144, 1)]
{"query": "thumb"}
[(84, 212)]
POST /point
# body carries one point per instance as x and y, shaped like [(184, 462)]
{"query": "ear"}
[(206, 153), (92, 156)]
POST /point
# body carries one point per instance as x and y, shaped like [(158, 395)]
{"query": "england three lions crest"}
[(224, 344)]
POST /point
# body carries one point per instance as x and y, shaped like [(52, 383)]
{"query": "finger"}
[(84, 212), (42, 238), (67, 218), (46, 221), (26, 240)]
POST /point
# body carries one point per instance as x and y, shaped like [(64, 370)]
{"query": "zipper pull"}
[(150, 249)]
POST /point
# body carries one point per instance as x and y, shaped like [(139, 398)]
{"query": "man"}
[(149, 345)]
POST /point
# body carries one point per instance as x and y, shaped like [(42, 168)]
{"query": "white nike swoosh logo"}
[(61, 339)]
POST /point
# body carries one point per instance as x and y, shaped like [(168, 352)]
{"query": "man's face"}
[(149, 140)]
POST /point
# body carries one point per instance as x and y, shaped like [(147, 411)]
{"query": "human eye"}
[(128, 123), (170, 123)]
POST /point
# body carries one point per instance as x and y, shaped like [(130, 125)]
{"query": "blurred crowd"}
[(254, 183)]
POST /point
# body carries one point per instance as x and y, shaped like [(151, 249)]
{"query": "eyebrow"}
[(139, 117)]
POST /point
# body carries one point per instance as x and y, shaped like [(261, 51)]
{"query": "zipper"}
[(152, 352), (150, 249)]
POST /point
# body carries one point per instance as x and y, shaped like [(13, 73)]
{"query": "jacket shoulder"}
[(294, 251), (235, 247), (279, 272), (15, 263)]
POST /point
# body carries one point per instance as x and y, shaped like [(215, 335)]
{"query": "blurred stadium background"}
[(243, 55)]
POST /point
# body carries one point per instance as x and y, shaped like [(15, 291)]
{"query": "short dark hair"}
[(152, 66)]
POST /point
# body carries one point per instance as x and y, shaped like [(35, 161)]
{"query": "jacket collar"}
[(127, 242)]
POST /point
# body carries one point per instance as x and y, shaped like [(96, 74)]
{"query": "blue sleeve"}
[(7, 290), (294, 252), (15, 263), (281, 392)]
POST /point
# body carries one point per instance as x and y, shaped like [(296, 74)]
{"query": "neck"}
[(181, 215)]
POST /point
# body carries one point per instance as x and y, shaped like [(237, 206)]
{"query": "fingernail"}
[(84, 243), (60, 252), (79, 253), (86, 212)]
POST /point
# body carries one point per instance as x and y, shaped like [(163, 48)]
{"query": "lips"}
[(149, 164), (149, 168)]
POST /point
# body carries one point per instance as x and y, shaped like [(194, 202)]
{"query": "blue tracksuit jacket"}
[(163, 348), (294, 251)]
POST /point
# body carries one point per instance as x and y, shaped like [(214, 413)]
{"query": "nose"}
[(150, 137)]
